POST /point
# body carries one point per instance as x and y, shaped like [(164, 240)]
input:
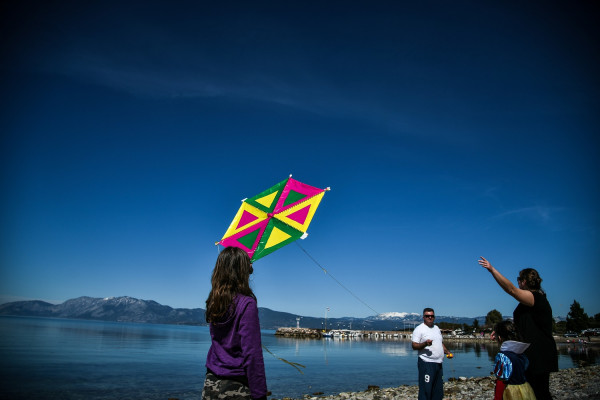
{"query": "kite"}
[(273, 218)]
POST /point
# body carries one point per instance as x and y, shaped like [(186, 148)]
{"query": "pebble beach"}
[(566, 384)]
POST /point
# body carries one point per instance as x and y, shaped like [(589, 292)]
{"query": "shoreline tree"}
[(493, 317), (577, 319)]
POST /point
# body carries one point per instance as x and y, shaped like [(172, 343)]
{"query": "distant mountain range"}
[(128, 309)]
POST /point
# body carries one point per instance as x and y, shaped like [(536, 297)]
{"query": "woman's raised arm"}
[(523, 296)]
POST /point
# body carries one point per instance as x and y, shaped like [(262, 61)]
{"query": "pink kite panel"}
[(246, 218), (299, 187), (300, 215)]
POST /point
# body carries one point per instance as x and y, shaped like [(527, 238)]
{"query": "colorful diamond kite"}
[(273, 218)]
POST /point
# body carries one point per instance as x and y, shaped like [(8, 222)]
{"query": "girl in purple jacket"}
[(234, 366)]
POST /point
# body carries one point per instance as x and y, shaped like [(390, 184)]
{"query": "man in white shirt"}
[(427, 338)]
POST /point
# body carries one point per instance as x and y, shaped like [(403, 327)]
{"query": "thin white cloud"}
[(541, 214), (308, 92)]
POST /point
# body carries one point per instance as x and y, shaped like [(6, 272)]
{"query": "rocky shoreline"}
[(566, 384), (299, 333)]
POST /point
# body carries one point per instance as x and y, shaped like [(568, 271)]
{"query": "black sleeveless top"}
[(535, 326)]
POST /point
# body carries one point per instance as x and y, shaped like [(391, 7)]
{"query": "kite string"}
[(333, 277), (293, 364)]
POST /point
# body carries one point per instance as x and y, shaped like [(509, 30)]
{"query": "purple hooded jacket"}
[(236, 349)]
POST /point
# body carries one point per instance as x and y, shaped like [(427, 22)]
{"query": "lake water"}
[(44, 358)]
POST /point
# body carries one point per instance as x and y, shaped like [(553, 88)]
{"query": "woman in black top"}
[(533, 318)]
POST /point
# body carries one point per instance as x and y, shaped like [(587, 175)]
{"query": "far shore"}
[(592, 341), (310, 333)]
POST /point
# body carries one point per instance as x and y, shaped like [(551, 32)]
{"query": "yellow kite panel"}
[(267, 200), (277, 236), (246, 216)]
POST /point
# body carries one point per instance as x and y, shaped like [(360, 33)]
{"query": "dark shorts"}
[(221, 388)]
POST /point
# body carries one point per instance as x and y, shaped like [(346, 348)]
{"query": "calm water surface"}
[(73, 359)]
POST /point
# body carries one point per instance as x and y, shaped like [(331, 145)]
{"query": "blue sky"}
[(446, 130)]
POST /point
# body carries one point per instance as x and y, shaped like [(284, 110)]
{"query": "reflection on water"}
[(337, 365), (74, 359), (580, 354), (390, 362), (396, 351), (570, 355), (486, 349)]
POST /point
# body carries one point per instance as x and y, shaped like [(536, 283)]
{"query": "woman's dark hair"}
[(230, 277), (507, 330), (532, 279)]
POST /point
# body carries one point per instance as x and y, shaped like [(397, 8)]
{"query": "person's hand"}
[(428, 342), (485, 263), (493, 335)]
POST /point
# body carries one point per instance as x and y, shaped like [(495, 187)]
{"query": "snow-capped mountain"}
[(396, 316)]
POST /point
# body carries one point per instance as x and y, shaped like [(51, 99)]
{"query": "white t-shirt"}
[(435, 352)]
